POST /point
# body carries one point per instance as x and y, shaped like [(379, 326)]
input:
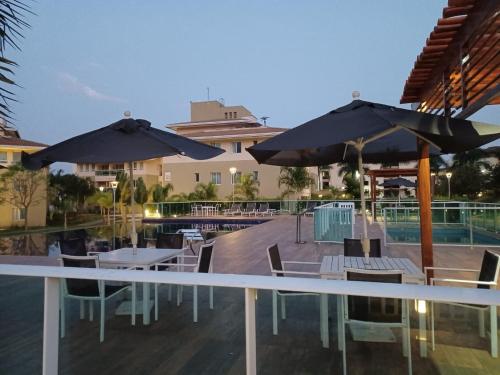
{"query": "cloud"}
[(70, 83)]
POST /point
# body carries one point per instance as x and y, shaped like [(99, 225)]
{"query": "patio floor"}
[(216, 345)]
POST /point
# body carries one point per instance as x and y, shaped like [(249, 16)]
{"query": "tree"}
[(248, 186), (437, 163), (160, 193), (347, 167), (471, 157), (295, 179), (74, 187), (12, 24), (203, 191), (140, 193), (351, 185), (23, 188), (467, 180)]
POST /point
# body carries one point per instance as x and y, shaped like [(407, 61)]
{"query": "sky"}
[(83, 63)]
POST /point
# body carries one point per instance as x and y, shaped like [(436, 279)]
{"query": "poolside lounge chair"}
[(89, 290), (264, 210), (487, 279), (204, 261), (75, 247), (353, 248), (309, 210), (250, 209), (278, 270), (356, 311), (235, 209)]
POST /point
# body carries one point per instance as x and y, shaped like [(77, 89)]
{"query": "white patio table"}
[(144, 258), (332, 267)]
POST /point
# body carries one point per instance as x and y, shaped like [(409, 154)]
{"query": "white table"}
[(144, 258), (333, 267)]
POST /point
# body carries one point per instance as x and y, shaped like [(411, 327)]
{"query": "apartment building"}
[(11, 147), (232, 128)]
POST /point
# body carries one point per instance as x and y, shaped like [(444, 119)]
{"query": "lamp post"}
[(114, 185), (448, 176), (232, 170)]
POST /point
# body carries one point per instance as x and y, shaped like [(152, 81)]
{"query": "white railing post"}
[(251, 343), (51, 327)]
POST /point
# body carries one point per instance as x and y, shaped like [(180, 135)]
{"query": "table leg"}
[(145, 303), (340, 327), (324, 320)]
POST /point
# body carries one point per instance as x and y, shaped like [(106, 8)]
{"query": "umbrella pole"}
[(365, 242), (133, 235), (424, 198)]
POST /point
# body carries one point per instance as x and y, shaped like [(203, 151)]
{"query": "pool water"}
[(100, 238), (442, 235)]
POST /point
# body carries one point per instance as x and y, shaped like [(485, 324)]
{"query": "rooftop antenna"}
[(208, 93), (264, 120), (355, 95), (127, 114)]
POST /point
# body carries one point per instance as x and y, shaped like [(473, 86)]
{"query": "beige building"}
[(232, 128), (103, 174), (11, 147)]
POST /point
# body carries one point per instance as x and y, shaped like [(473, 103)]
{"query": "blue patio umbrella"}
[(124, 141)]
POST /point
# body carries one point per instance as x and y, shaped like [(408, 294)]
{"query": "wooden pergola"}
[(456, 74), (388, 172)]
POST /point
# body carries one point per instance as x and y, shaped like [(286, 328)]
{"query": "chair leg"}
[(482, 332), (494, 331), (211, 297), (134, 298), (283, 307), (339, 321), (344, 345), (195, 304), (101, 330), (275, 312), (91, 311), (404, 332), (156, 301), (433, 337), (169, 292), (82, 309), (63, 316)]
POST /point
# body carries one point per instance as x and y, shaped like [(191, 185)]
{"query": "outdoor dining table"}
[(333, 267), (144, 258)]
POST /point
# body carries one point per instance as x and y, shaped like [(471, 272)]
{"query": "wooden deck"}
[(215, 345)]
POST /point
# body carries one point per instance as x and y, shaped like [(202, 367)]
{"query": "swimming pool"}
[(442, 235)]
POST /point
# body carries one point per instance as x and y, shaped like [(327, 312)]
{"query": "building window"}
[(80, 167), (86, 167), (230, 114), (93, 167), (3, 157), (141, 165), (236, 147), (225, 115), (234, 114), (168, 176), (196, 177), (135, 165), (215, 178), (215, 144), (256, 175), (19, 214), (236, 178), (16, 157), (255, 142)]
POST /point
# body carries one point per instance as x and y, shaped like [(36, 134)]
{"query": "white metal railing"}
[(333, 222), (250, 283)]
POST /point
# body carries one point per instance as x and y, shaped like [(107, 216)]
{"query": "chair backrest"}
[(361, 308), (251, 206), (80, 287), (170, 241), (263, 207), (490, 268), (75, 247), (353, 248), (273, 255), (310, 205), (205, 257)]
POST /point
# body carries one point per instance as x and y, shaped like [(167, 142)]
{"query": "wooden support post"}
[(424, 198), (373, 191)]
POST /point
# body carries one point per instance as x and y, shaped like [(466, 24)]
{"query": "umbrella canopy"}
[(376, 133), (126, 140), (398, 182)]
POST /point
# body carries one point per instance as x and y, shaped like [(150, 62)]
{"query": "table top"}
[(334, 266), (143, 257)]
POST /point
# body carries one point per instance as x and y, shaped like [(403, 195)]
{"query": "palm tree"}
[(437, 163), (347, 167), (248, 186), (160, 193), (471, 157), (295, 179), (12, 24), (140, 193), (204, 192)]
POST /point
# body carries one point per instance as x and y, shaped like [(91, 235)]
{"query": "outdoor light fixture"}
[(448, 176), (232, 170), (114, 186), (101, 188)]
